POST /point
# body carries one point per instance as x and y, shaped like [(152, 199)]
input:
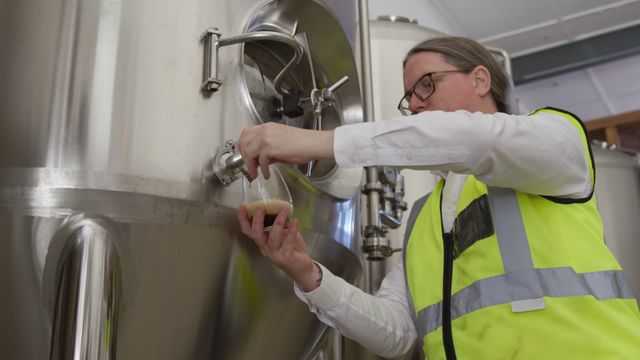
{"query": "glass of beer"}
[(271, 194)]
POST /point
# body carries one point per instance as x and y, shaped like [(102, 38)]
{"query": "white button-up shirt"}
[(540, 154)]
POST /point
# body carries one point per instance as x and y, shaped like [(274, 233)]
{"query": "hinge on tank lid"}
[(212, 40)]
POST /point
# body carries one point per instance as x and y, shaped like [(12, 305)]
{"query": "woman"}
[(505, 258)]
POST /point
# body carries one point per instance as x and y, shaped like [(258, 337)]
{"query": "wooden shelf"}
[(622, 130)]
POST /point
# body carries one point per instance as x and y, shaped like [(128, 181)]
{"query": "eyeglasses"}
[(422, 89)]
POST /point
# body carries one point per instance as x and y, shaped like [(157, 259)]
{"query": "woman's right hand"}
[(283, 245), (262, 145)]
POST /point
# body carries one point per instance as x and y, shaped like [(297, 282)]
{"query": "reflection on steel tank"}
[(618, 196), (391, 38), (117, 240)]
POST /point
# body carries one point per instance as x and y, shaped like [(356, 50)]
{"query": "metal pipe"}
[(375, 242), (365, 60), (373, 197), (338, 83), (87, 290), (272, 36)]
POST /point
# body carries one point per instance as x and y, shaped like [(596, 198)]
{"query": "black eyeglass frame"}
[(405, 110)]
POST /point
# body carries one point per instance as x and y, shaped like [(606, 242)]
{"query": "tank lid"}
[(394, 18)]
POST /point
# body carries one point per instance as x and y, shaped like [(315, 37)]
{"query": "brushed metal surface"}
[(618, 196), (191, 286), (101, 112)]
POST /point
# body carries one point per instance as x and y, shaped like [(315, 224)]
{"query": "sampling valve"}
[(227, 165), (319, 99), (392, 194)]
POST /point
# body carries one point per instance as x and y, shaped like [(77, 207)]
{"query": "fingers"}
[(277, 233), (252, 167), (254, 146), (257, 225), (257, 153), (264, 165), (243, 217), (249, 146), (257, 230), (291, 240)]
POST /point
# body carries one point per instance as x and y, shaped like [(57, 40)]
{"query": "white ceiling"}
[(525, 26), (599, 91)]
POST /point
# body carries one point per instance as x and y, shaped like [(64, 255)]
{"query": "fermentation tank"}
[(116, 239), (618, 196), (391, 39)]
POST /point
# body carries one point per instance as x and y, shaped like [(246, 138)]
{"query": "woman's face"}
[(453, 90)]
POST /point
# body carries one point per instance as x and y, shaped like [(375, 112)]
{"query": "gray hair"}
[(465, 54)]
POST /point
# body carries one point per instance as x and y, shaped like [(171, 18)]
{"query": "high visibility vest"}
[(530, 277)]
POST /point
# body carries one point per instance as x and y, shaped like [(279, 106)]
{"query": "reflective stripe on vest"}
[(413, 215), (521, 282)]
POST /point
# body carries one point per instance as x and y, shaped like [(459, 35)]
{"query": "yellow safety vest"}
[(528, 277)]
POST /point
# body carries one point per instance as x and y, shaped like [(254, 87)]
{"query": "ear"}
[(481, 80)]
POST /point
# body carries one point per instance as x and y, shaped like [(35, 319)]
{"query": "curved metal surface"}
[(108, 89), (331, 58), (618, 196), (180, 259), (86, 288), (270, 36), (102, 113)]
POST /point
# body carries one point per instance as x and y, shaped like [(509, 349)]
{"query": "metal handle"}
[(212, 39), (320, 99), (209, 83), (338, 83)]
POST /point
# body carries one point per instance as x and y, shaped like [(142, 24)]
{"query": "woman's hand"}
[(269, 143), (283, 245)]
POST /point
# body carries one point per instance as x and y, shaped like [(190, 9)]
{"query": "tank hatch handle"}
[(212, 38)]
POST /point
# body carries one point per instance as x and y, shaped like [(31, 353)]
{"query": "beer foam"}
[(272, 207)]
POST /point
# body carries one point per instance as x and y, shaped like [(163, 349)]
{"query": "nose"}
[(416, 105)]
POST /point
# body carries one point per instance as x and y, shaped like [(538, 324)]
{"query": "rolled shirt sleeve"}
[(380, 323), (540, 154)]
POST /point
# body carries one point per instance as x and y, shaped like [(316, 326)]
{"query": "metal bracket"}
[(377, 187), (210, 38), (375, 245), (319, 99), (391, 198), (226, 166)]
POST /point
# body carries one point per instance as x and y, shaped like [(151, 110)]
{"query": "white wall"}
[(428, 13)]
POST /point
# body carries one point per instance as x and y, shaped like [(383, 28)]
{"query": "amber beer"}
[(272, 208)]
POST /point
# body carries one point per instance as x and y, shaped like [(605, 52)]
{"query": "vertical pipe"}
[(376, 272), (365, 59), (367, 100), (87, 296)]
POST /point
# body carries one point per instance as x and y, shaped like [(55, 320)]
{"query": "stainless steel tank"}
[(618, 196), (114, 240), (391, 39)]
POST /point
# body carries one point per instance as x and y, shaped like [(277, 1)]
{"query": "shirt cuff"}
[(324, 297), (350, 148)]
